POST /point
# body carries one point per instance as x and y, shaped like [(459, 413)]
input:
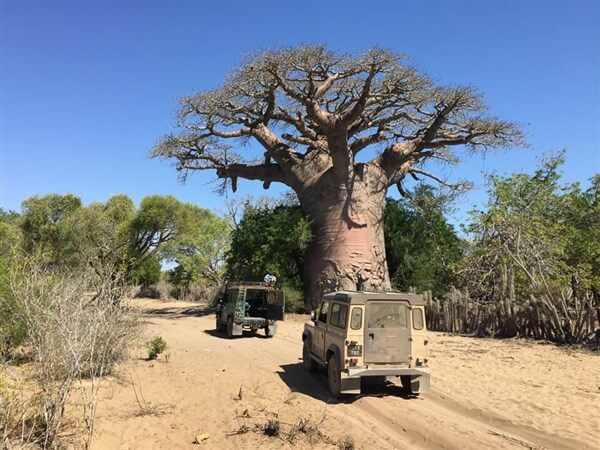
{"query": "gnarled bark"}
[(347, 251)]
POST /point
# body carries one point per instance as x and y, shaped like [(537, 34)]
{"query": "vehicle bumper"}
[(254, 322), (419, 377), (387, 371)]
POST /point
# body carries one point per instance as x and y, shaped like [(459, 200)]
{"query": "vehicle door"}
[(275, 305), (387, 332), (318, 341), (228, 308)]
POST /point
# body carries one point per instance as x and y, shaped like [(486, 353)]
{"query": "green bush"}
[(147, 273), (155, 347), (12, 326), (294, 301)]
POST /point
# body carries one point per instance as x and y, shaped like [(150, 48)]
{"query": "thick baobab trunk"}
[(347, 251)]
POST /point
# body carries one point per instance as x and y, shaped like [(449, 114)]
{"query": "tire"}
[(334, 377), (271, 330), (219, 326), (308, 363), (407, 385), (230, 328)]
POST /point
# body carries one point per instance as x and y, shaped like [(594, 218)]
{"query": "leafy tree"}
[(11, 239), (41, 221), (99, 234), (580, 211), (199, 252), (270, 240), (147, 273), (422, 247), (11, 217), (315, 113), (115, 237), (536, 239)]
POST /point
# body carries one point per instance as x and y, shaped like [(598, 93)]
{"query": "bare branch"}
[(310, 98)]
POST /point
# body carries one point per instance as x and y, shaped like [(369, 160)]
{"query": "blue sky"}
[(88, 87)]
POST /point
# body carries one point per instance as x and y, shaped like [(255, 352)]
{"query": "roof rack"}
[(248, 283)]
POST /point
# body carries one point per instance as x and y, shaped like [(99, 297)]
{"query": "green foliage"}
[(41, 224), (147, 272), (98, 234), (270, 240), (12, 326), (192, 238), (294, 300), (421, 246), (114, 237), (11, 238), (155, 347), (536, 234)]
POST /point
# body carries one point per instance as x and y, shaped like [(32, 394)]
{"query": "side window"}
[(339, 314), (324, 311), (343, 316), (335, 314), (356, 320), (417, 317)]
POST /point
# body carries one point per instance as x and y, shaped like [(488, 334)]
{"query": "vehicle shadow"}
[(178, 313), (296, 377), (245, 334)]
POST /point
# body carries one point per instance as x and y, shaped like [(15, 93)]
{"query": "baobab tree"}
[(315, 113)]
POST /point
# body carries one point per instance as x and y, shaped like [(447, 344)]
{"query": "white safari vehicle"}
[(368, 334)]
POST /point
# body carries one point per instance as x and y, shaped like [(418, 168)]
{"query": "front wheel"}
[(219, 325), (307, 361), (334, 377), (230, 328)]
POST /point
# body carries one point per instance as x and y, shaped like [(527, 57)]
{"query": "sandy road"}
[(485, 394)]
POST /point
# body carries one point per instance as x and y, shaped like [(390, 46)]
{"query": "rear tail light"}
[(354, 349)]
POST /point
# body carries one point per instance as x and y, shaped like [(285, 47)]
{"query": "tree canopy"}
[(115, 236), (269, 240), (312, 110), (422, 248)]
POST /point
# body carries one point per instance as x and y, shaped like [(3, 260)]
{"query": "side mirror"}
[(313, 315)]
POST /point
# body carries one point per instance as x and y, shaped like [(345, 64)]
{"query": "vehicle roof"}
[(251, 285), (360, 297)]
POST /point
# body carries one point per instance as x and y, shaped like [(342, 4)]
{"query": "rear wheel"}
[(307, 361), (219, 325), (407, 384), (334, 377), (230, 328), (270, 330)]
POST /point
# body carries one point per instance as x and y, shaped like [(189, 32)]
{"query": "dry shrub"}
[(272, 428), (21, 421), (77, 331), (347, 443), (196, 292), (162, 291)]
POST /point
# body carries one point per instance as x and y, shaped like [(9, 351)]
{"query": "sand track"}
[(485, 394)]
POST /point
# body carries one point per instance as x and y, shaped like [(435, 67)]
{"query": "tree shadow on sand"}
[(298, 379), (178, 313)]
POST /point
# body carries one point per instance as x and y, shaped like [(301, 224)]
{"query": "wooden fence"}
[(564, 318)]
